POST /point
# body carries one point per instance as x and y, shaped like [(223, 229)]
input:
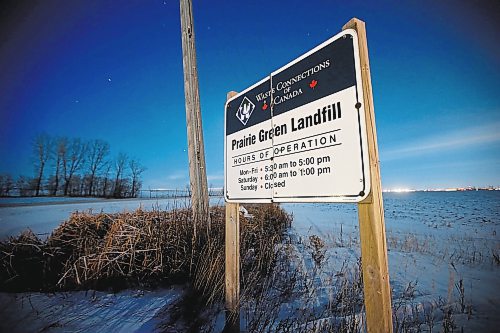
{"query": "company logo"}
[(245, 110)]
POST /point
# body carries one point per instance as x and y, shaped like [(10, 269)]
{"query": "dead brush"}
[(23, 261), (123, 248), (496, 257), (140, 249), (317, 246)]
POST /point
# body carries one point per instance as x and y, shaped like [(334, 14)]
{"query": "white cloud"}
[(215, 177), (179, 175), (472, 136)]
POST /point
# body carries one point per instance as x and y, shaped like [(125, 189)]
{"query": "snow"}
[(20, 201), (81, 311), (435, 240)]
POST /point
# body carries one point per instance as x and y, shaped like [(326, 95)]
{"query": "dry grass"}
[(140, 248)]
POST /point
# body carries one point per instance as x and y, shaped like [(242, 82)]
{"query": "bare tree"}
[(42, 149), (98, 150), (82, 166), (105, 183), (6, 184), (26, 186), (61, 151), (72, 160), (120, 163), (136, 170)]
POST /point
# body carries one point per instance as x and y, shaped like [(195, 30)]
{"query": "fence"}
[(176, 193), (150, 193)]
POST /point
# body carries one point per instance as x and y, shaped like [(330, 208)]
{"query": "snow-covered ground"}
[(42, 215), (435, 240), (20, 201), (437, 243), (92, 311)]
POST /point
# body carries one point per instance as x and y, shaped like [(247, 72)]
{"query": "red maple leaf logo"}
[(313, 84), (264, 107)]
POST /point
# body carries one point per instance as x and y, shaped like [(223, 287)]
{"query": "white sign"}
[(300, 134)]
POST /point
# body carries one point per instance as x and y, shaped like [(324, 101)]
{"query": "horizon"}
[(114, 72)]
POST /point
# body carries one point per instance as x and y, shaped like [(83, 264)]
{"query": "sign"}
[(299, 135)]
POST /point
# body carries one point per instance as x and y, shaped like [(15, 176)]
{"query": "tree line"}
[(74, 167)]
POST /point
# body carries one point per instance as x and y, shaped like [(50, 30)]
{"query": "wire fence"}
[(176, 193), (149, 193)]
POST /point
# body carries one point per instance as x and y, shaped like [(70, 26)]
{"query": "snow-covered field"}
[(42, 215), (92, 311), (443, 253), (25, 201), (437, 243)]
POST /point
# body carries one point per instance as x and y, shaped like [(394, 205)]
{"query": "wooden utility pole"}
[(196, 152), (377, 290), (232, 269)]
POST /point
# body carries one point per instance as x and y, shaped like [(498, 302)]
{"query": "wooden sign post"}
[(232, 264), (377, 290)]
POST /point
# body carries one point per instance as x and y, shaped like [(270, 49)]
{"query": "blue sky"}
[(112, 70)]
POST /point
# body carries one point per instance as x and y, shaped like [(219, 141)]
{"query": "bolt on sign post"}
[(196, 152), (306, 133)]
